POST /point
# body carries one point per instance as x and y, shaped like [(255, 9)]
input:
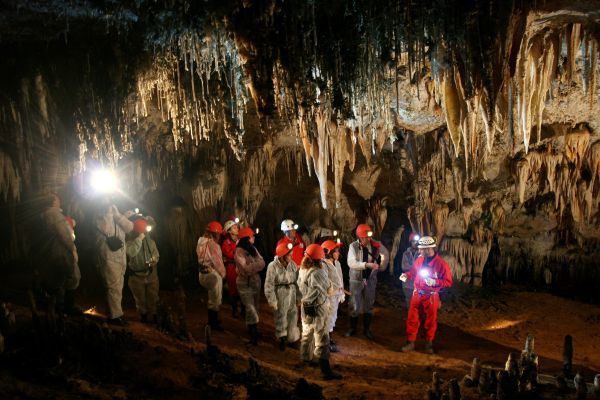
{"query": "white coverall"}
[(363, 287), (248, 281), (212, 270), (281, 293), (314, 284), (336, 292), (112, 264)]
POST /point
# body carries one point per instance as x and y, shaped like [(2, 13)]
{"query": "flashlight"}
[(148, 228), (424, 273), (236, 220), (416, 238), (290, 246), (257, 230), (369, 234), (137, 210), (335, 233), (104, 181), (295, 227)]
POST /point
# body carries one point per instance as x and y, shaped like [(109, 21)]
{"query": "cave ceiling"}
[(472, 116)]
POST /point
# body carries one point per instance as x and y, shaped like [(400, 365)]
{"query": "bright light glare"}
[(236, 220), (335, 233), (148, 228), (417, 237), (296, 227), (137, 210), (290, 246), (104, 181), (338, 240), (424, 273), (369, 234), (257, 230)]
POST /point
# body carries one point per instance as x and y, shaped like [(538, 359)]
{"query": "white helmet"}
[(288, 225), (227, 225), (427, 242)]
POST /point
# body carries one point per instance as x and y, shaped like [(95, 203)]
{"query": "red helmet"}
[(330, 245), (139, 225), (283, 248), (414, 236), (214, 227), (315, 252), (363, 231), (245, 232)]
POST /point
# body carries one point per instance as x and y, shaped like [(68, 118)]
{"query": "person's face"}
[(291, 234), (251, 239), (287, 258), (364, 241), (414, 244), (427, 252), (336, 254), (55, 201), (234, 230)]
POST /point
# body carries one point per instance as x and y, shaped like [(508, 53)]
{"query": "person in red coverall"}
[(231, 230), (291, 236), (430, 274)]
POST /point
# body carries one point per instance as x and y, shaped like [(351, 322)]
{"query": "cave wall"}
[(482, 130)]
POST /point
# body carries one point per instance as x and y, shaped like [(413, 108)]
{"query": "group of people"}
[(302, 277)]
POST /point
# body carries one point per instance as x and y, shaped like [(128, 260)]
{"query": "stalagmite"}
[(580, 386), (568, 356), (472, 380)]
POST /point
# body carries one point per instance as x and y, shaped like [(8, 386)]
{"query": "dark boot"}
[(367, 325), (70, 308), (429, 347), (234, 307), (282, 342), (409, 346), (352, 330), (326, 372), (213, 321), (253, 332), (332, 346)]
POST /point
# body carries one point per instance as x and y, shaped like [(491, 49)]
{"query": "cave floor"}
[(471, 325)]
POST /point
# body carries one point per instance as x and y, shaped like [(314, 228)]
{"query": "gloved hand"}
[(403, 277), (142, 236), (430, 281), (371, 265), (273, 306), (342, 298)]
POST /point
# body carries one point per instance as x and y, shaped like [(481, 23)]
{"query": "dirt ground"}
[(471, 325)]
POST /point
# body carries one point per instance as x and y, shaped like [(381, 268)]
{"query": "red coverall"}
[(228, 248), (426, 299), (297, 251)]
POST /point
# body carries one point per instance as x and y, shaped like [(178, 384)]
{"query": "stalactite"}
[(452, 109), (471, 258), (440, 216), (10, 182), (576, 146)]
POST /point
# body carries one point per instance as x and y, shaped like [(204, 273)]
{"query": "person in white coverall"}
[(112, 258), (281, 292), (336, 296), (211, 271), (249, 263), (366, 257), (314, 285)]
